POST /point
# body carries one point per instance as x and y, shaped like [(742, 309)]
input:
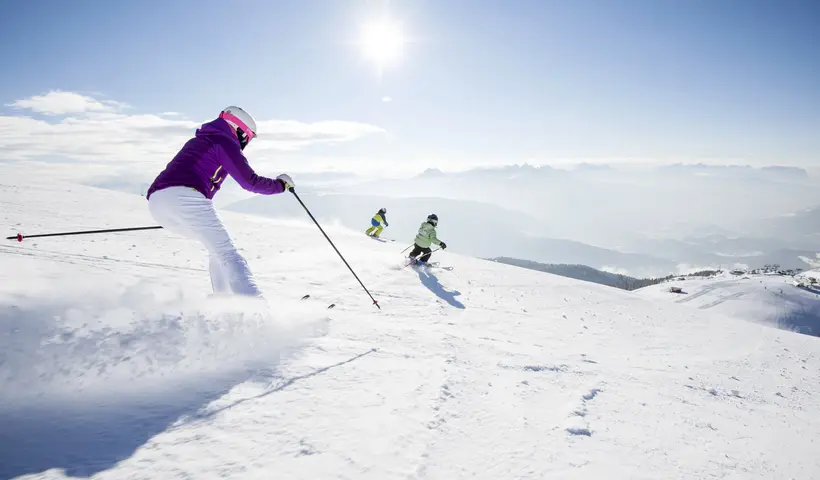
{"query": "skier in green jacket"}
[(425, 238)]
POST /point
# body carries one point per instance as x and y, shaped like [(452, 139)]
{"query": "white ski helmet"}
[(244, 124)]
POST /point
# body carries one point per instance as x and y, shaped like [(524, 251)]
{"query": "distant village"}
[(800, 277)]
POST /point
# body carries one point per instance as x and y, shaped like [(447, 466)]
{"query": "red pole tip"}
[(19, 237)]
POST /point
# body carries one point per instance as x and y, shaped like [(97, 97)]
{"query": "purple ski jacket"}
[(205, 160)]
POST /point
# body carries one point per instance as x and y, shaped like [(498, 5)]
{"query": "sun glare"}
[(382, 41)]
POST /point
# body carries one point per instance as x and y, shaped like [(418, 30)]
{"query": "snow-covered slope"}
[(112, 365), (767, 299)]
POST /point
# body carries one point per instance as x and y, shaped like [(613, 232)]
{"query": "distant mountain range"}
[(723, 250), (607, 206), (468, 227), (801, 227), (489, 231), (772, 173)]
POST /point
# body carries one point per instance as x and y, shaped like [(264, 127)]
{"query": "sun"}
[(382, 41)]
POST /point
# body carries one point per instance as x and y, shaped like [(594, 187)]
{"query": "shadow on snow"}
[(88, 437), (431, 282), (82, 395), (283, 385)]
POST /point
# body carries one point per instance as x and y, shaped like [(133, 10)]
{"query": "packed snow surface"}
[(113, 363), (768, 299)]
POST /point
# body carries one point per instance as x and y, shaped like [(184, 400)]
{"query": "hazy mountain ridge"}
[(472, 228), (607, 205), (770, 173), (801, 226), (717, 251)]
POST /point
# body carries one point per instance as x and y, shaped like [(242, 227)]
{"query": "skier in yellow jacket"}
[(425, 238), (376, 223)]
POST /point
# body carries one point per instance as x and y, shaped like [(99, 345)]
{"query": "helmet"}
[(432, 218), (243, 123), (382, 210)]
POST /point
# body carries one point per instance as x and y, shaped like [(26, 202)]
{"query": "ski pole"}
[(19, 237), (334, 247), (431, 252), (408, 247)]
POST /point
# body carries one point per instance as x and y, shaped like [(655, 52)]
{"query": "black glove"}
[(442, 245)]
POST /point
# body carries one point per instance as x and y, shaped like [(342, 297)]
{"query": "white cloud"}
[(614, 270), (293, 135), (98, 131), (57, 102), (812, 262), (687, 269)]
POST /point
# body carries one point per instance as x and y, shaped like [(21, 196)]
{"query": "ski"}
[(439, 266), (379, 239), (433, 265)]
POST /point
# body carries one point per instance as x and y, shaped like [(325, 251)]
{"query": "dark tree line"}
[(589, 274)]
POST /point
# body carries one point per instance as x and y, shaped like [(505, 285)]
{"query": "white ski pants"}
[(186, 212)]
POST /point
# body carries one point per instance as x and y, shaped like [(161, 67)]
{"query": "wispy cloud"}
[(615, 270), (87, 129), (687, 269), (293, 135), (812, 262), (57, 102)]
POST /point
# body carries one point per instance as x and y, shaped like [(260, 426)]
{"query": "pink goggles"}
[(249, 134)]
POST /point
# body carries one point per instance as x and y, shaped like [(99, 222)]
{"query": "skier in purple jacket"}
[(180, 199)]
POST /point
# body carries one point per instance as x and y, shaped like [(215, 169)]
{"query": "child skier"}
[(425, 238), (180, 198), (376, 228)]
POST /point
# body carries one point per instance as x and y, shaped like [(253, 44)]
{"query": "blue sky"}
[(479, 82)]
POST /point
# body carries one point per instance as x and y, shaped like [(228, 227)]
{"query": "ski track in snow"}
[(705, 290), (113, 366), (721, 300)]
